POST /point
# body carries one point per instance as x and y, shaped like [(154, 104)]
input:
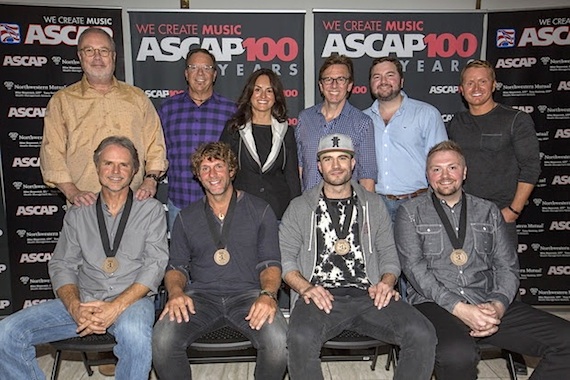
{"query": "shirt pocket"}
[(491, 142), (432, 237), (484, 237)]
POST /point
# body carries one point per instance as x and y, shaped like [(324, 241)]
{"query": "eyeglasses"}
[(90, 52), (329, 80), (206, 68)]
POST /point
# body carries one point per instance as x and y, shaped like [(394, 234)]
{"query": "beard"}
[(393, 94)]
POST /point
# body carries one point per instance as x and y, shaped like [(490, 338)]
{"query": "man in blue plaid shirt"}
[(188, 120)]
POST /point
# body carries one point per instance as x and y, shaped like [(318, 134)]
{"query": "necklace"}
[(199, 100), (221, 215)]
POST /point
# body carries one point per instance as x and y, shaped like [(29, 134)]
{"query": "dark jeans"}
[(398, 323), (170, 339), (523, 329)]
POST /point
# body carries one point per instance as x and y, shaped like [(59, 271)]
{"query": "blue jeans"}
[(50, 321), (392, 205), (170, 339), (172, 214), (398, 323)]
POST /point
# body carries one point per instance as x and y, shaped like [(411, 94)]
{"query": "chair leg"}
[(86, 364), (390, 358), (374, 359), (511, 366), (56, 363)]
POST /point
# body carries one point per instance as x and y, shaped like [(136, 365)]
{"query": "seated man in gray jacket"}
[(338, 255), (457, 255)]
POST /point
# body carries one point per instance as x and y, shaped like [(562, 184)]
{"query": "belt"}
[(405, 196)]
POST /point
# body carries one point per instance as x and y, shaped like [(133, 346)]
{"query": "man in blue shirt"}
[(335, 115), (404, 131), (189, 119)]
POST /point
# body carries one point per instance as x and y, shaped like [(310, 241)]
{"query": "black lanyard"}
[(456, 241), (341, 233), (111, 252), (220, 238)]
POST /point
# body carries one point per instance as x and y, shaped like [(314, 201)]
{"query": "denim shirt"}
[(492, 268)]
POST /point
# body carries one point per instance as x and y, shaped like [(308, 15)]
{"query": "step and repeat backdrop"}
[(39, 57), (531, 54)]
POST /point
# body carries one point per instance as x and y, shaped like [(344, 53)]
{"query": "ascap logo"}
[(561, 225), (527, 109), (561, 180), (545, 36), (36, 210), (446, 117), (508, 63), (559, 270), (3, 268), (153, 94), (30, 258), (28, 303), (30, 112), (564, 86), (57, 34), (24, 280), (24, 60), (444, 89), (56, 59), (521, 248), (562, 133), (26, 162), (522, 291), (4, 304)]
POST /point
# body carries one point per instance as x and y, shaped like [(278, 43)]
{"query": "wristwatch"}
[(153, 176), (264, 292)]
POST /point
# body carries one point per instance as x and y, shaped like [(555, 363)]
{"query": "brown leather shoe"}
[(107, 369)]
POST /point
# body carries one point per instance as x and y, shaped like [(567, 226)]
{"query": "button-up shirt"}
[(187, 125), (142, 254), (352, 122), (491, 271), (402, 145)]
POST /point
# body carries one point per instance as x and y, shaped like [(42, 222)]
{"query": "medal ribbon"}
[(341, 233), (220, 238), (456, 241), (111, 252)]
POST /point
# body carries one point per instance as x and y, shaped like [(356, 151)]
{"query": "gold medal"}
[(222, 256), (110, 265), (458, 257), (342, 247)]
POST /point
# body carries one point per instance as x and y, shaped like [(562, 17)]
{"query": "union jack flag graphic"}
[(505, 38), (9, 33)]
